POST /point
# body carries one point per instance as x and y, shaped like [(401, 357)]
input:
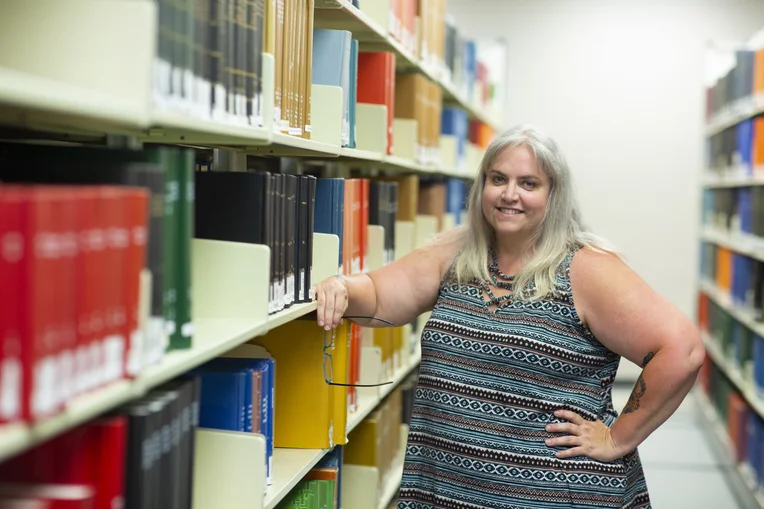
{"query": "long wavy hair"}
[(560, 229)]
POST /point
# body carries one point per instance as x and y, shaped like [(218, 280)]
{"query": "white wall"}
[(619, 85)]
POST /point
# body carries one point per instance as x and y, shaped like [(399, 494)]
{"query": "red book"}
[(107, 443), (135, 204), (356, 226), (40, 294), (376, 85), (67, 304), (89, 273), (117, 239), (12, 251), (54, 496)]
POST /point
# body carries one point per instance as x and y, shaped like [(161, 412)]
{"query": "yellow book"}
[(339, 395), (364, 442), (305, 404)]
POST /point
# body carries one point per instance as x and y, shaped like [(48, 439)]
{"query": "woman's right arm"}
[(397, 292)]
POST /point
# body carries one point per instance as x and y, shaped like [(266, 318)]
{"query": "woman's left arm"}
[(630, 318)]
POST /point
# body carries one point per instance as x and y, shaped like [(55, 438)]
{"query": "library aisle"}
[(682, 469)]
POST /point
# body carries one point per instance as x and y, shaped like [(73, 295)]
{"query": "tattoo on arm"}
[(639, 389)]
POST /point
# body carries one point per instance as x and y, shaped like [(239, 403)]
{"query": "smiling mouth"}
[(510, 212)]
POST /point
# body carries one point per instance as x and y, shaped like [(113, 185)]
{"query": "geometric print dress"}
[(493, 372)]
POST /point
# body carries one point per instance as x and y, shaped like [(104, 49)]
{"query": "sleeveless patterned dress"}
[(491, 377)]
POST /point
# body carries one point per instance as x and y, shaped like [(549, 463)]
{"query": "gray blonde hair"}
[(560, 230)]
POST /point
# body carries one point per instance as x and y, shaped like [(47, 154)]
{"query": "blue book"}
[(455, 198), (267, 408), (758, 362), (744, 144), (331, 66), (744, 209), (752, 447), (353, 91), (222, 402), (455, 122), (323, 221)]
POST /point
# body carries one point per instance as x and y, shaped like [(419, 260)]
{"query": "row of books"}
[(70, 264), (744, 426), (738, 149), (734, 274), (744, 79), (260, 207), (209, 58), (141, 455), (737, 210), (138, 457), (237, 394), (80, 227), (377, 442), (370, 78), (166, 173), (743, 347), (282, 211)]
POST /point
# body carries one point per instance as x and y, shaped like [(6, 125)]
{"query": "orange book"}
[(758, 72), (355, 251), (376, 85), (703, 311), (411, 101), (724, 269), (347, 228), (737, 419), (757, 157)]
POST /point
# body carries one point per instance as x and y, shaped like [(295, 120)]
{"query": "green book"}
[(183, 332), (170, 158)]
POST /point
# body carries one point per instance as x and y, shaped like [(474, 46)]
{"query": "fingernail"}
[(548, 441), (327, 328), (321, 323)]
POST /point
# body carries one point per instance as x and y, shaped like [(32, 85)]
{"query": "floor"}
[(681, 468)]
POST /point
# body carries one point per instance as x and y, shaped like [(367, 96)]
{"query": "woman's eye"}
[(498, 180), (529, 184)]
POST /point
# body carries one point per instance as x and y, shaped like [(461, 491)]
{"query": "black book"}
[(230, 56), (311, 228), (392, 215), (291, 243), (139, 457), (301, 243), (240, 217), (217, 53), (273, 240)]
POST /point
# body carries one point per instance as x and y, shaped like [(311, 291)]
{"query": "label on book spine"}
[(113, 357), (187, 330), (44, 386), (302, 285), (10, 389), (135, 353)]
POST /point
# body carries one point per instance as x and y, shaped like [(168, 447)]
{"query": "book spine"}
[(217, 61), (112, 361), (13, 254), (171, 242), (182, 337), (136, 208)]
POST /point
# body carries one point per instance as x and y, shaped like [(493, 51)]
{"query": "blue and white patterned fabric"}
[(490, 380)]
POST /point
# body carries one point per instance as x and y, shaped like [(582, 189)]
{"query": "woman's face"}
[(515, 193)]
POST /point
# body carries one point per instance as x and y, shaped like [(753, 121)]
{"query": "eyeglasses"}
[(328, 363)]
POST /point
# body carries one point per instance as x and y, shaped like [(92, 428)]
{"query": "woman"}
[(530, 316)]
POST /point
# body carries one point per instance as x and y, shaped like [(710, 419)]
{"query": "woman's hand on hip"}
[(583, 438), (332, 296)]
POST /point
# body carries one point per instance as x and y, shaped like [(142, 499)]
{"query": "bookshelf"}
[(730, 393), (103, 81)]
